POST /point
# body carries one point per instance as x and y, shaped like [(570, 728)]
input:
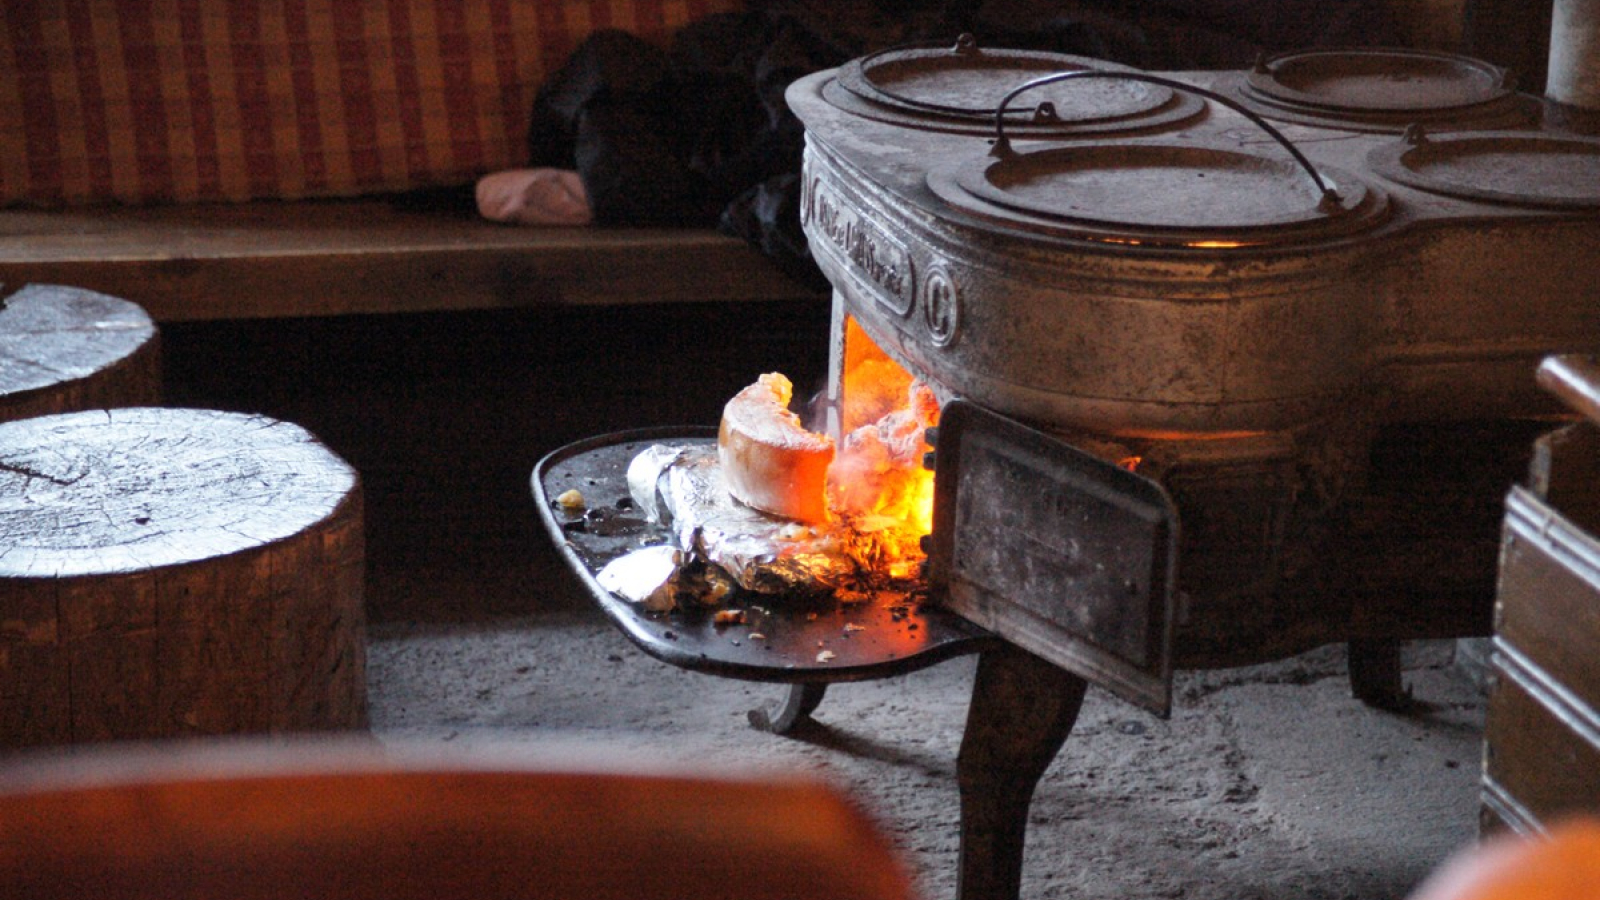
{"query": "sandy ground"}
[(1266, 782)]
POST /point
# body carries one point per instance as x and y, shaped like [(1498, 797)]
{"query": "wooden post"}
[(64, 349), (168, 572)]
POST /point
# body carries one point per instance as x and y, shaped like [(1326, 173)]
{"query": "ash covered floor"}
[(1267, 782)]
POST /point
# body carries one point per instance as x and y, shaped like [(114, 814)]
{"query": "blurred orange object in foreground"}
[(1562, 865), (353, 820)]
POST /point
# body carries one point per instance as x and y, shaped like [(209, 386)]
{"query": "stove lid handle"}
[(1329, 203)]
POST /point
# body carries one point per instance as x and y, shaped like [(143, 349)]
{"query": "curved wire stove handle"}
[(1046, 111)]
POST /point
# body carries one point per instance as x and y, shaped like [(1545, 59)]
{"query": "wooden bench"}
[(273, 259), (337, 122)]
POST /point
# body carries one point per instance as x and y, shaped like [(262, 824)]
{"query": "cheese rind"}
[(769, 460)]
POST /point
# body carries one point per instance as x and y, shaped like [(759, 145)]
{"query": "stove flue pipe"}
[(1574, 75)]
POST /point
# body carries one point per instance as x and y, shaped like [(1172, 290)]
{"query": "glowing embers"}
[(1198, 245), (877, 483)]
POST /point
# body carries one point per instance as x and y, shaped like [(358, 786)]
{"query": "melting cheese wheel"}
[(770, 461)]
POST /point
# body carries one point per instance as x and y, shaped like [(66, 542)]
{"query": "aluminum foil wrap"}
[(649, 575), (682, 488)]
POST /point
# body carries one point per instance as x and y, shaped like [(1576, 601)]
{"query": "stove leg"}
[(1375, 677), (1022, 710), (800, 702)]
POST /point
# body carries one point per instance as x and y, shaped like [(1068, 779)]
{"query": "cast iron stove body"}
[(1239, 304), (1303, 305), (1232, 365)]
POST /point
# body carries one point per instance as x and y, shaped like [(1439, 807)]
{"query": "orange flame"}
[(877, 482), (1204, 245)]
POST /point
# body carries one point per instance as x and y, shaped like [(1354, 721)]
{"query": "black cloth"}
[(698, 134)]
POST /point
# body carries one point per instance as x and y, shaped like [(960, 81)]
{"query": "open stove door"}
[(1063, 554)]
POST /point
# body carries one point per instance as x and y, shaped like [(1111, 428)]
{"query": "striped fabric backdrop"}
[(143, 101)]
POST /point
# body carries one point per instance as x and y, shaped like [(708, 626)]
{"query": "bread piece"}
[(770, 461)]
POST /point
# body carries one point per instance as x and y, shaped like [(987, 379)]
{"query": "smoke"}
[(877, 467)]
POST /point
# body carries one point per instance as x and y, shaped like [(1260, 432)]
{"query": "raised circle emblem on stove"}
[(941, 307)]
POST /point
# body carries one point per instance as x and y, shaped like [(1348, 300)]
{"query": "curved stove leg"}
[(1022, 710), (1375, 674), (801, 701)]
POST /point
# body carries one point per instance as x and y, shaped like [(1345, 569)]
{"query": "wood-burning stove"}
[(1232, 364)]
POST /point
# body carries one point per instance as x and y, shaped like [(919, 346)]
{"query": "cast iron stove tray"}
[(890, 634)]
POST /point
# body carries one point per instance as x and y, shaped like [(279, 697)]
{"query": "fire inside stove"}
[(877, 478), (778, 509)]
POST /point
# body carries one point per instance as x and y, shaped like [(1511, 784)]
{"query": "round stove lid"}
[(966, 81), (1525, 168), (1160, 192), (1356, 80)]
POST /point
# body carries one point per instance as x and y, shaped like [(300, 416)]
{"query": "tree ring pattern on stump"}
[(109, 491), (50, 334)]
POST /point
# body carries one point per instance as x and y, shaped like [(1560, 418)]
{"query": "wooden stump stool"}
[(64, 349), (168, 572)]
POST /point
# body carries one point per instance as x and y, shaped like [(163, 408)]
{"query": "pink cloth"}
[(534, 197)]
